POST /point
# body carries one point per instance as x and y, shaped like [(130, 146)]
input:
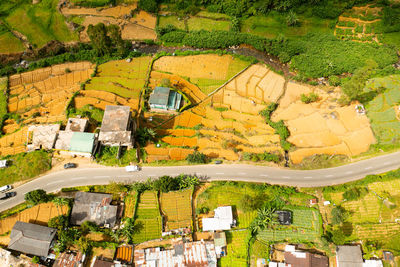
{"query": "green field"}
[(274, 24), (171, 20), (196, 24), (236, 249), (40, 23), (25, 166), (381, 110), (148, 218), (120, 77), (306, 227), (212, 15), (8, 42)]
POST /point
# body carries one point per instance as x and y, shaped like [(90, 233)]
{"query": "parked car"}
[(7, 195), (11, 194), (5, 188), (69, 165), (132, 168), (218, 162)]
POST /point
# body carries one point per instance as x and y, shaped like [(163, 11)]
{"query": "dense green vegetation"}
[(24, 166), (108, 156)]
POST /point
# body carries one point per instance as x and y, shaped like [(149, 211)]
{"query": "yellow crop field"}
[(322, 127), (177, 208), (39, 214)]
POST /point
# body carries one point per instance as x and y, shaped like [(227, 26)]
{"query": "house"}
[(117, 127), (220, 244), (76, 125), (94, 207), (71, 259), (42, 136), (3, 164), (305, 259), (31, 239), (76, 143), (199, 253), (163, 98), (284, 217), (349, 256), (222, 220), (313, 201)]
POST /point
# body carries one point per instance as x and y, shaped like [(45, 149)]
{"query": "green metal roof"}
[(82, 142), (159, 96)]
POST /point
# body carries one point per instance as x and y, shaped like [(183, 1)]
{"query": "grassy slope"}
[(8, 42), (40, 23), (274, 24), (25, 166)]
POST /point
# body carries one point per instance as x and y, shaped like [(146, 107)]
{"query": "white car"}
[(132, 168)]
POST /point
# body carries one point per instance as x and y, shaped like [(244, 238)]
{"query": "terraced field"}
[(40, 96), (236, 248), (383, 110), (148, 218), (306, 227), (177, 208)]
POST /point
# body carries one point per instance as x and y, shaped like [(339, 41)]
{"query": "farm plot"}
[(130, 204), (359, 24), (9, 43), (125, 79), (148, 218), (382, 109), (228, 195), (140, 26), (39, 23), (229, 123), (236, 248), (208, 72), (322, 127), (177, 208), (306, 227), (39, 214)]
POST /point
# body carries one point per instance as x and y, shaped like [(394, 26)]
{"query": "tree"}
[(250, 203), (59, 222), (143, 135), (88, 226), (292, 19), (84, 244), (36, 196), (338, 237), (130, 229), (148, 5), (101, 42), (354, 87), (197, 157), (165, 184), (339, 215), (265, 218)]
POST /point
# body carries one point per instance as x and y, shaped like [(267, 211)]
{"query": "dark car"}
[(11, 194), (218, 162), (69, 165)]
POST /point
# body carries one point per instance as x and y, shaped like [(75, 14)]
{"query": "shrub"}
[(355, 193), (339, 215), (197, 157), (59, 222), (334, 80), (37, 196), (338, 237), (251, 203), (312, 97)]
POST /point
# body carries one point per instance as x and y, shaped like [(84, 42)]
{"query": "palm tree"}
[(59, 201)]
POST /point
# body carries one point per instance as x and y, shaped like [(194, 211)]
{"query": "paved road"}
[(235, 172)]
